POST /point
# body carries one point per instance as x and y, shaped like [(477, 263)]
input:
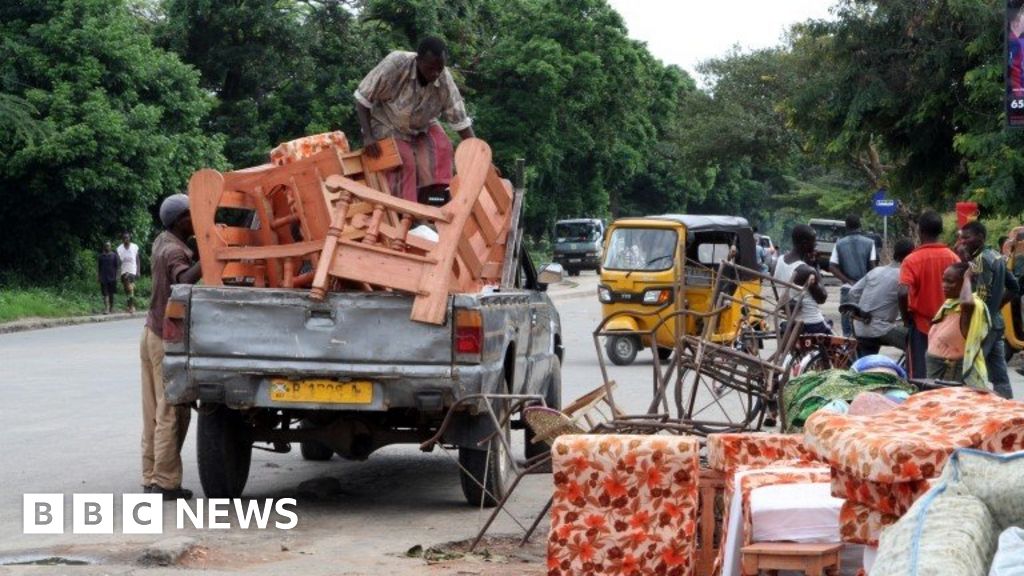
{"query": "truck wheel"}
[(553, 398), (313, 450), (574, 272), (491, 467), (665, 353), (622, 349), (224, 448)]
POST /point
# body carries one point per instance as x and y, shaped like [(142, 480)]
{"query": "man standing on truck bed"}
[(852, 258), (164, 425), (402, 97)]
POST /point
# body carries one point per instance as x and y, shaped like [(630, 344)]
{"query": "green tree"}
[(120, 128)]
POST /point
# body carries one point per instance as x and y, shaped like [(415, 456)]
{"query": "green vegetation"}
[(106, 106), (76, 295)]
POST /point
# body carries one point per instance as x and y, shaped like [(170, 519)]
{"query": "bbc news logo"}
[(144, 514)]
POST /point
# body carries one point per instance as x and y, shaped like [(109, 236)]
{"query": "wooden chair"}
[(811, 559), (472, 231), (286, 215)]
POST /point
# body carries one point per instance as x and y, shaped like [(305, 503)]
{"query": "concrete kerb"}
[(41, 323), (562, 293)]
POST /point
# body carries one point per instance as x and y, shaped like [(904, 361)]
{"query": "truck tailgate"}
[(347, 327)]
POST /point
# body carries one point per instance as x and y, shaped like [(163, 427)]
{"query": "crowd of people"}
[(940, 304)]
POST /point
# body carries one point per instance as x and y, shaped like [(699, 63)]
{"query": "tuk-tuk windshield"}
[(576, 232), (641, 249)]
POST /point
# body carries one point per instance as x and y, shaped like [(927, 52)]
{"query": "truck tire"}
[(491, 467), (622, 350), (665, 353), (553, 398), (224, 449), (313, 450)]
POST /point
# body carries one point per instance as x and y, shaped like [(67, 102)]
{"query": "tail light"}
[(174, 322), (469, 335)]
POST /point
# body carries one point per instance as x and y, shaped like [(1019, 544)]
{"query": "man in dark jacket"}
[(996, 288)]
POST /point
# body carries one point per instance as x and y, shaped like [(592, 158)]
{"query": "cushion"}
[(954, 528), (912, 441), (300, 148), (859, 524), (727, 452), (623, 505), (888, 498)]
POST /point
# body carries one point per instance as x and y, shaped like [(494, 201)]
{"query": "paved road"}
[(70, 412)]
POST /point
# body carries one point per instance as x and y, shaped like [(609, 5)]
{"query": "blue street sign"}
[(883, 206)]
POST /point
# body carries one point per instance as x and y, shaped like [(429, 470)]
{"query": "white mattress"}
[(805, 513)]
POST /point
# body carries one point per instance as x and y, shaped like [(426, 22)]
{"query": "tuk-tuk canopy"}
[(697, 222)]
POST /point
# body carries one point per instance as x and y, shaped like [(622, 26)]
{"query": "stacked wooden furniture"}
[(327, 221)]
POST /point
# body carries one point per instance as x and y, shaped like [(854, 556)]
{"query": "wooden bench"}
[(812, 559)]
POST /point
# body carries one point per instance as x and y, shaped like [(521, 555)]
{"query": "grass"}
[(77, 298)]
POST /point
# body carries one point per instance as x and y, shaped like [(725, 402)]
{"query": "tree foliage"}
[(114, 124), (107, 105)]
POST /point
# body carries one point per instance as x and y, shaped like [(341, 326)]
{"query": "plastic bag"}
[(1009, 558)]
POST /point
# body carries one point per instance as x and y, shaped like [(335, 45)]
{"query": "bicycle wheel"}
[(712, 406)]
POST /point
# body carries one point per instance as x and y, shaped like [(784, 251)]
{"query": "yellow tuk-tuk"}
[(1013, 315), (647, 259)]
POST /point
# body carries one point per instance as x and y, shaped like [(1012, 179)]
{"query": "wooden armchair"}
[(472, 230)]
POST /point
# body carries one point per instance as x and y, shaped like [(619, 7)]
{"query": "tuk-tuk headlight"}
[(604, 294), (659, 296)]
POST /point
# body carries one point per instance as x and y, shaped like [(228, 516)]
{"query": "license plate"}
[(574, 259), (321, 391)]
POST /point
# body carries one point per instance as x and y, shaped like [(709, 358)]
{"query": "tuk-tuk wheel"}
[(622, 350)]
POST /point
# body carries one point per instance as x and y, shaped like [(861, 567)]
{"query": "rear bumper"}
[(246, 383), (569, 260)]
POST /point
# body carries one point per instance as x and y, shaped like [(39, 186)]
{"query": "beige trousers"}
[(164, 425)]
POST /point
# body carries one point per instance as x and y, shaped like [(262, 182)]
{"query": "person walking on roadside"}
[(920, 293), (107, 267), (852, 258), (996, 288), (164, 425), (877, 322), (128, 254)]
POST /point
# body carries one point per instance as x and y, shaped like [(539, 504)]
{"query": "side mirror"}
[(550, 274)]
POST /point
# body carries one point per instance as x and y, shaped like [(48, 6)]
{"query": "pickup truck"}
[(352, 373)]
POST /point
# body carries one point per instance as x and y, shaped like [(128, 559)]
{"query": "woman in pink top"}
[(954, 340)]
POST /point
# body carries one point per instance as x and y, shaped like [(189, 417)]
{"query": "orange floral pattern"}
[(887, 498), (300, 148), (753, 477), (859, 524), (727, 452), (623, 505), (913, 441)]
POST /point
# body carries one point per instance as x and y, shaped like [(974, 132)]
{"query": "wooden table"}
[(812, 559)]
